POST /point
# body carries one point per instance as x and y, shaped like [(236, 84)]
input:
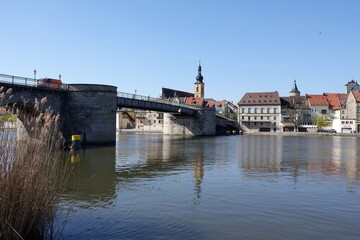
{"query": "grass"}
[(32, 176)]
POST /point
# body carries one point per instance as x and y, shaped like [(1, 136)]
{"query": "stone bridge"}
[(90, 109)]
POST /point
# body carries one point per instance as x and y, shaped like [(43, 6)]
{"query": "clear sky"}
[(244, 46)]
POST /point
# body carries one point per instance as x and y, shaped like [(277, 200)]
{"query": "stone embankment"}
[(304, 134)]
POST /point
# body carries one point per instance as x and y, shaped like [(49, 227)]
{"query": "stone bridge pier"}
[(202, 124), (90, 111)]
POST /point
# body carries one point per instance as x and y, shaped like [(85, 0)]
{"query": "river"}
[(151, 186)]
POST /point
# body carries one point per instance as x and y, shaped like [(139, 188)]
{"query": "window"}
[(268, 110), (351, 122), (249, 110), (275, 110), (323, 111), (242, 117), (254, 123), (255, 110), (274, 117), (254, 118), (262, 110), (243, 110), (268, 118), (342, 122), (261, 118)]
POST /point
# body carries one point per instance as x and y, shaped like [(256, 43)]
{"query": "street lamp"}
[(59, 76), (34, 74)]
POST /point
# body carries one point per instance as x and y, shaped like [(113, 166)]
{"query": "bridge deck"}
[(154, 104)]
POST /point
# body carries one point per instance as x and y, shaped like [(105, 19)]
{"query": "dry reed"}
[(32, 177)]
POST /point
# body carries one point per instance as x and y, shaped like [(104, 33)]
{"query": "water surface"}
[(152, 186)]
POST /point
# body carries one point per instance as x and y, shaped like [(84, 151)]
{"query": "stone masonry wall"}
[(203, 124), (91, 111)]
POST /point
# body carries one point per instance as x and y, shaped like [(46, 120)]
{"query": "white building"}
[(260, 112)]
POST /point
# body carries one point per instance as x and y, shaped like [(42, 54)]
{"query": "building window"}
[(274, 117), (254, 118), (275, 110), (351, 122), (242, 117), (323, 111), (268, 118), (268, 110), (243, 110), (249, 110), (261, 118), (255, 123), (255, 110), (342, 122), (262, 110)]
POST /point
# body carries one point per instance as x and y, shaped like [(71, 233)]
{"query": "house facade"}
[(260, 112)]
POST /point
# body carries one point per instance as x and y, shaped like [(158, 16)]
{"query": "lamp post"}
[(34, 76), (59, 76)]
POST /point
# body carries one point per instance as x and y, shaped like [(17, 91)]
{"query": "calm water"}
[(234, 187)]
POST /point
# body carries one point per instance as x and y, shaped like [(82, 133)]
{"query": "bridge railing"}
[(151, 99), (31, 82)]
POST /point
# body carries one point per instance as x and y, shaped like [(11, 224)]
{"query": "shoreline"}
[(304, 134)]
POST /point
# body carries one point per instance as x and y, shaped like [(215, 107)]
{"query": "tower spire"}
[(295, 91), (199, 84)]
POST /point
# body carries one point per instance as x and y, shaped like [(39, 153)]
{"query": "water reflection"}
[(259, 155), (321, 158), (138, 159), (92, 182)]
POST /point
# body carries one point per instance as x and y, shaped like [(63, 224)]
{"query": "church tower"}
[(295, 91), (199, 90)]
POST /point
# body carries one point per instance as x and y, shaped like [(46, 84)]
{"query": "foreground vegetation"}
[(32, 177)]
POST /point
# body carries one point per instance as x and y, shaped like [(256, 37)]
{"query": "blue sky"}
[(244, 46)]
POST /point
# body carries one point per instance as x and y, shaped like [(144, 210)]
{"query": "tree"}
[(296, 116), (8, 117), (321, 122)]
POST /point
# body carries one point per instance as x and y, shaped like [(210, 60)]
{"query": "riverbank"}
[(296, 134)]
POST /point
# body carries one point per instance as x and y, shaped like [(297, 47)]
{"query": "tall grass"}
[(32, 175)]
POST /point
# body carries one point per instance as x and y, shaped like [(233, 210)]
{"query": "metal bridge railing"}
[(151, 99), (31, 82)]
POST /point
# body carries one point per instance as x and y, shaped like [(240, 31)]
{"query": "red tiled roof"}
[(343, 97), (333, 100), (195, 101), (213, 103), (317, 100), (356, 95), (260, 98)]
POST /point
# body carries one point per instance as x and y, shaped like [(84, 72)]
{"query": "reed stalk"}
[(32, 176)]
